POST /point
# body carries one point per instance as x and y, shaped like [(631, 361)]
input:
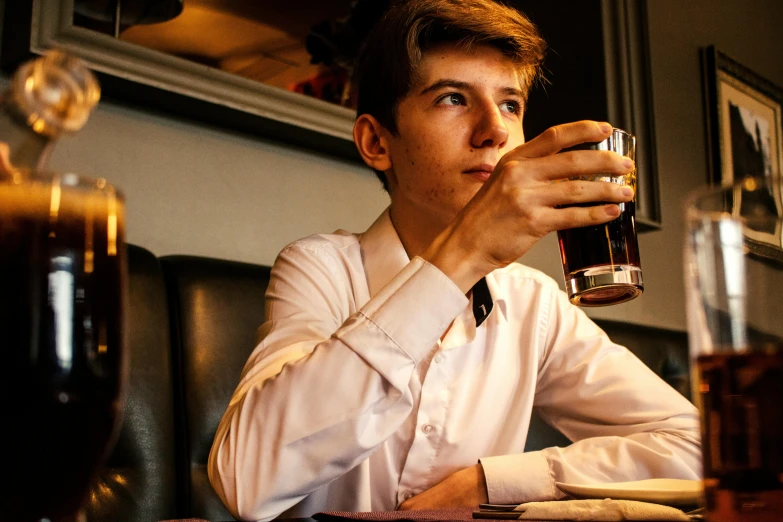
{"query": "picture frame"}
[(135, 75), (745, 137)]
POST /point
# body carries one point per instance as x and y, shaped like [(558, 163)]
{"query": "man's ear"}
[(370, 138)]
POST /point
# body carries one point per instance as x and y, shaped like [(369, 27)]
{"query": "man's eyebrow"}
[(512, 91), (457, 84), (445, 83)]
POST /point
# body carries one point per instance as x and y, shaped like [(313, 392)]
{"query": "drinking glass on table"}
[(601, 262), (733, 278), (63, 286)]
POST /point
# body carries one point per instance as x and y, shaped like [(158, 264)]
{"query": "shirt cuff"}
[(416, 307), (514, 479)]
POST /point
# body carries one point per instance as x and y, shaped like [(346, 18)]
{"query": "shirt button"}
[(438, 359), (427, 428), (409, 494)]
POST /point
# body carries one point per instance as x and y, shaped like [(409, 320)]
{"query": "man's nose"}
[(491, 129)]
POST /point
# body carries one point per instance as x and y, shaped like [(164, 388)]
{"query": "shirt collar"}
[(382, 253), (384, 256)]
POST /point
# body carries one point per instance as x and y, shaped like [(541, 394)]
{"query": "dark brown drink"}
[(742, 439), (62, 286), (608, 248), (613, 243)]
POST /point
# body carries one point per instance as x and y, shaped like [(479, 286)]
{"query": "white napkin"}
[(606, 510)]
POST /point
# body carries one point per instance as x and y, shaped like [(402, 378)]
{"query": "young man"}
[(398, 368)]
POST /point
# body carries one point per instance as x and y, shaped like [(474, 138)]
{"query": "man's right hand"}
[(521, 202)]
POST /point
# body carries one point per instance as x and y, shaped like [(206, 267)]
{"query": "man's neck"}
[(416, 232)]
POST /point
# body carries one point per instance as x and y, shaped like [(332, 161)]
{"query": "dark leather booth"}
[(192, 324)]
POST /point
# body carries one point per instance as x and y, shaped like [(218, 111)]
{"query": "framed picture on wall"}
[(240, 64), (745, 137), (744, 116)]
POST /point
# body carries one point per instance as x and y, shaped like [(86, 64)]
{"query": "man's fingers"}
[(575, 217), (541, 158), (581, 192), (560, 137), (583, 163)]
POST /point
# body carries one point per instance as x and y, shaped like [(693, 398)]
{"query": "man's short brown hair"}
[(388, 62)]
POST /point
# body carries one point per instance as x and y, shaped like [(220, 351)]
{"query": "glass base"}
[(604, 285)]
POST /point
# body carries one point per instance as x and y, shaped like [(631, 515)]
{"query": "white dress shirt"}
[(352, 401)]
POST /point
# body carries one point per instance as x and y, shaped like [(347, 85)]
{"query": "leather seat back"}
[(138, 481), (216, 308)]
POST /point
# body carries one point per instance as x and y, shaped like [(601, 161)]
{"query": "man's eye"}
[(510, 107), (451, 99)]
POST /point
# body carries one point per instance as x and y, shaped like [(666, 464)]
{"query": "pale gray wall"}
[(192, 189), (750, 32)]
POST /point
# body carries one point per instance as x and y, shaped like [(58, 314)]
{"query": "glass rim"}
[(623, 131), (618, 135), (66, 178), (748, 183)]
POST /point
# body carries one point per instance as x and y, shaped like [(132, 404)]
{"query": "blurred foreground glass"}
[(734, 284), (63, 361), (601, 263)]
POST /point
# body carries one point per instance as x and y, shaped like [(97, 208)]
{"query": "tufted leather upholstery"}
[(216, 307), (192, 325), (138, 481)]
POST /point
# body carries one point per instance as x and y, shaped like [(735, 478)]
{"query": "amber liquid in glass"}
[(742, 423)]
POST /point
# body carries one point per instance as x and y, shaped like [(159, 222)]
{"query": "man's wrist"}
[(448, 254)]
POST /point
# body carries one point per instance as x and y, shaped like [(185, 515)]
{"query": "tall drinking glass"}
[(62, 356), (601, 263), (734, 283)]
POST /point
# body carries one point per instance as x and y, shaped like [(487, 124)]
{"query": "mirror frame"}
[(147, 77), (629, 94)]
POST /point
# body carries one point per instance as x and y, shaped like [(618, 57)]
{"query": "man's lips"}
[(482, 171)]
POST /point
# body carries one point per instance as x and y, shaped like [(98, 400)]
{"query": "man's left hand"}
[(465, 488)]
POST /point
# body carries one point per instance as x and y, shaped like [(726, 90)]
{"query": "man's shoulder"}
[(329, 264), (316, 244), (338, 252)]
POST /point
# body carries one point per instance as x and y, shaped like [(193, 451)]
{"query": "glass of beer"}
[(733, 279), (63, 285), (601, 263)]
